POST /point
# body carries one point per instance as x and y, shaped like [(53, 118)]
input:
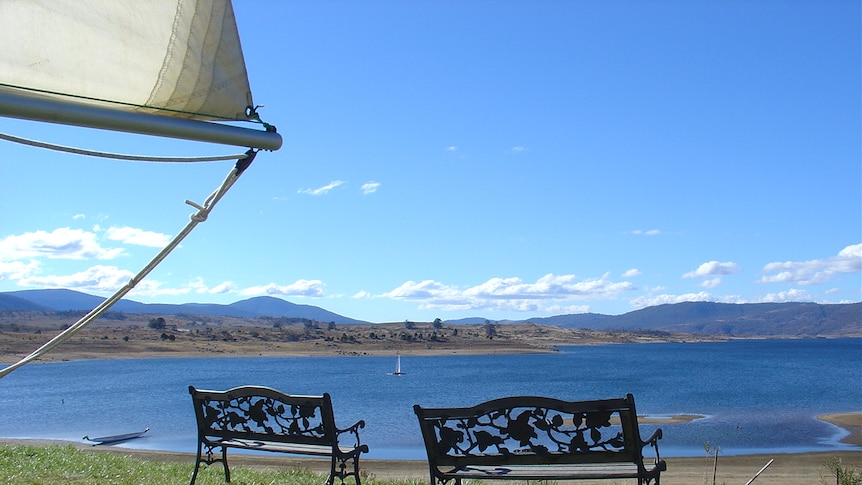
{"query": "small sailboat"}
[(398, 371), (106, 440)]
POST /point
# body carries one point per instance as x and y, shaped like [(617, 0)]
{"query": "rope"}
[(117, 156), (196, 218), (116, 103)]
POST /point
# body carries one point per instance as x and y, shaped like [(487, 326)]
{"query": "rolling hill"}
[(261, 306), (744, 320)]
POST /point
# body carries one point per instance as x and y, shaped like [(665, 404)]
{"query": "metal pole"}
[(761, 471), (43, 108), (715, 464)]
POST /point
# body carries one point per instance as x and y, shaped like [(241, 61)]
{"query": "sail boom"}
[(55, 110)]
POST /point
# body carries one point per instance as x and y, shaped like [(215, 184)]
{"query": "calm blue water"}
[(759, 396)]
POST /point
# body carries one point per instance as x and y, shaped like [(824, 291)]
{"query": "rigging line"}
[(116, 156), (196, 218)]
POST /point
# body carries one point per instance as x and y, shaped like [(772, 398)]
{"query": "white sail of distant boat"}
[(398, 371), (168, 68)]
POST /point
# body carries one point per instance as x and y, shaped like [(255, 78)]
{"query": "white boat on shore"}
[(117, 438)]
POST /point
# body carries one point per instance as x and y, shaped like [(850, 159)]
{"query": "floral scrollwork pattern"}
[(537, 430), (265, 415)]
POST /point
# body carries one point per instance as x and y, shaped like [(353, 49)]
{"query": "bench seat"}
[(281, 447), (544, 472)]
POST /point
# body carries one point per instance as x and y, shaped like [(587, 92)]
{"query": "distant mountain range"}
[(261, 306), (753, 319)]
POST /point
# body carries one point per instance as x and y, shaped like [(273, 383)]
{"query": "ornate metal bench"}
[(264, 419), (538, 438)]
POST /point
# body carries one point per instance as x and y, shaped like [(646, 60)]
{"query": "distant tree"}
[(157, 323), (331, 326), (438, 324), (409, 325), (490, 329)]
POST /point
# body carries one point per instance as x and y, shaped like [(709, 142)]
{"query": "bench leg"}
[(338, 468), (224, 463), (356, 469), (197, 465), (330, 480), (209, 461)]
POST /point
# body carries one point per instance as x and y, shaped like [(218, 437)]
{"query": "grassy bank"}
[(48, 465), (43, 464)]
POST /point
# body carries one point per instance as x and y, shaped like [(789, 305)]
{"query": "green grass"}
[(49, 465), (54, 464)]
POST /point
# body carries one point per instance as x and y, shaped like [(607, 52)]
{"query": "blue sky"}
[(487, 158)]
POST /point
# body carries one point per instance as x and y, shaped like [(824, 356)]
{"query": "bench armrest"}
[(352, 430), (653, 441)]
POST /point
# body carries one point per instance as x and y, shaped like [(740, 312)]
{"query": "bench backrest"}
[(263, 413), (532, 430)]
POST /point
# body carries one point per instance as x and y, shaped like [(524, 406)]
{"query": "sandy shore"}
[(851, 422)]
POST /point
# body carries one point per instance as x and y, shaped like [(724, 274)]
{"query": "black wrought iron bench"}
[(264, 419), (538, 438)]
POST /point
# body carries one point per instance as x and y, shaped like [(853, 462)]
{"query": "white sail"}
[(175, 58), (398, 371)]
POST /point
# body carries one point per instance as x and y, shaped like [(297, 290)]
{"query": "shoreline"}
[(785, 469), (849, 422)]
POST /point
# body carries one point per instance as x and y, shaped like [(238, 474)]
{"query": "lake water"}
[(758, 396)]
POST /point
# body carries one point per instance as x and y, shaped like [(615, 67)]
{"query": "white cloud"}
[(653, 300), (131, 235), (322, 190), (94, 278), (649, 232), (510, 294), (567, 310), (369, 187), (310, 288), (785, 296), (713, 268), (62, 243), (815, 271), (711, 283), (519, 149), (424, 290), (198, 286), (13, 270), (452, 148), (547, 287), (362, 295), (222, 288), (632, 273), (154, 288)]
